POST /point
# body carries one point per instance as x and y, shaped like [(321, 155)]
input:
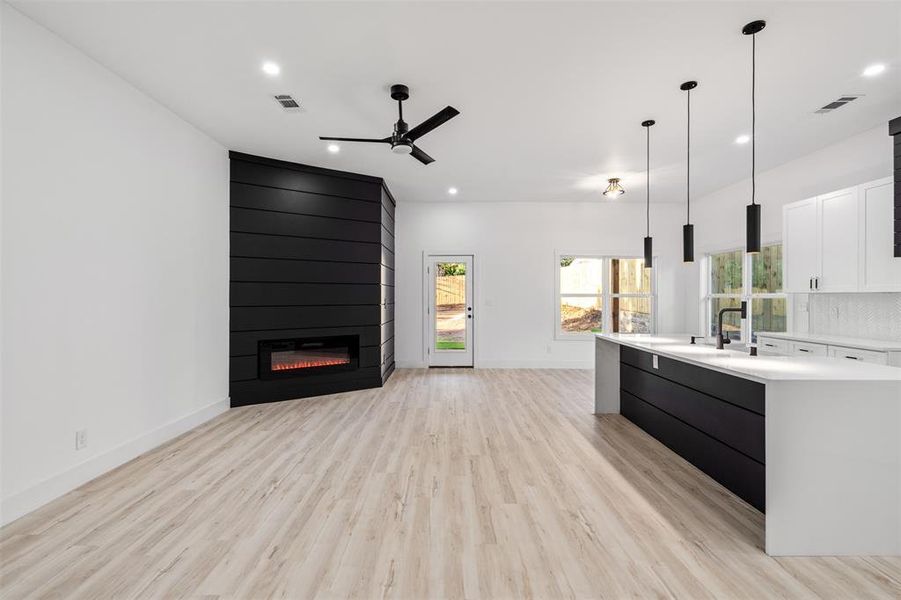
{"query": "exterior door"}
[(450, 311)]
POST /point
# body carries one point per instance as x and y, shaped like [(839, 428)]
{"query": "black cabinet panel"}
[(387, 294), (387, 313), (741, 392), (303, 203), (258, 391), (387, 257), (244, 343), (387, 239), (289, 179), (742, 475), (737, 427), (271, 223), (308, 259), (304, 294), (253, 245), (291, 317), (302, 271)]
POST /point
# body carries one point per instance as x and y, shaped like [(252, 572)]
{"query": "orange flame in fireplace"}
[(308, 363)]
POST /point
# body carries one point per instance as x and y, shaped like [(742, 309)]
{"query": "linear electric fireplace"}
[(308, 356)]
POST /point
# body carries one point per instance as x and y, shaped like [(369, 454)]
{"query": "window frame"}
[(747, 293), (606, 295)]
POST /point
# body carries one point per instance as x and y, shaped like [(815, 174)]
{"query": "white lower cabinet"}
[(772, 346), (808, 349), (857, 354)]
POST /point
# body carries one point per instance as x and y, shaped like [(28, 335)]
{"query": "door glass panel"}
[(579, 314), (450, 306)]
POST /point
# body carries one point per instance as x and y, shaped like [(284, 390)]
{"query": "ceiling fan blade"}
[(421, 156), (439, 118), (341, 139)]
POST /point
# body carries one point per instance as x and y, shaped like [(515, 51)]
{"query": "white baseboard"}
[(52, 488), (512, 364), (536, 364)]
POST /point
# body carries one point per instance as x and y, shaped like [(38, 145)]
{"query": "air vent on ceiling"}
[(287, 102), (837, 103)]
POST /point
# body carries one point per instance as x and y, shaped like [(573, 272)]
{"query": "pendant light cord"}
[(753, 118), (648, 185), (688, 165)]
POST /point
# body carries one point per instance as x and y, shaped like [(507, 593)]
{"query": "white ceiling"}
[(552, 94)]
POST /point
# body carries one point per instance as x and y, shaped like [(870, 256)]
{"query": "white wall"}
[(514, 245), (114, 269), (720, 217)]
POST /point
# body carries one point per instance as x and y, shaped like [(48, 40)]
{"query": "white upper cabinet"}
[(841, 241), (879, 270), (800, 242), (838, 240)]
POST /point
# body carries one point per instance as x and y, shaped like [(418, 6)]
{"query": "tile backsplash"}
[(871, 316)]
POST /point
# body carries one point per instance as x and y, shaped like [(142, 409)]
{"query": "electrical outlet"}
[(81, 439), (835, 312), (548, 348), (656, 366)]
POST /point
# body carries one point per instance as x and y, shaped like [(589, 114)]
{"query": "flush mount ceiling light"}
[(272, 69), (688, 230), (743, 139), (648, 241), (753, 214), (874, 70), (334, 148), (452, 191), (614, 189)]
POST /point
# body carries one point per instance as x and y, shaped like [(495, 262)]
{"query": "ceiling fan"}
[(402, 139)]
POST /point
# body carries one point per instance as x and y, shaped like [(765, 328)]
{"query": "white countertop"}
[(757, 368), (834, 340)]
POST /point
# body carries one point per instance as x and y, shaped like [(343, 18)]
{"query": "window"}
[(734, 276), (597, 293)]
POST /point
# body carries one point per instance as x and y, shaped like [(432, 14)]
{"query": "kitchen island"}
[(814, 442)]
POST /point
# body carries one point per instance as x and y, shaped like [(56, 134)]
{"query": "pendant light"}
[(614, 189), (688, 230), (753, 216), (648, 241)]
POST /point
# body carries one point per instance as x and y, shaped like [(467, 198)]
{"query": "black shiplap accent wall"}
[(894, 130), (312, 254)]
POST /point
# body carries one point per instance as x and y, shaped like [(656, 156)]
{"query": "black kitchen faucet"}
[(720, 340)]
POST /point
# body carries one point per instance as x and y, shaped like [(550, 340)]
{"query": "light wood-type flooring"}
[(449, 483)]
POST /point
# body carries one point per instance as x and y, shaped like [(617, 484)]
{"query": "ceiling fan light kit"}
[(403, 138)]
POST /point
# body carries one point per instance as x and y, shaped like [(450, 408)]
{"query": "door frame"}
[(427, 299)]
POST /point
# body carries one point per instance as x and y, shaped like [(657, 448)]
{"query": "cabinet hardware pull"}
[(852, 357), (810, 284), (803, 350)]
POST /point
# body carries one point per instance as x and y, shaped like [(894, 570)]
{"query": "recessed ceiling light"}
[(743, 139), (873, 70), (452, 191), (334, 148), (271, 68)]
